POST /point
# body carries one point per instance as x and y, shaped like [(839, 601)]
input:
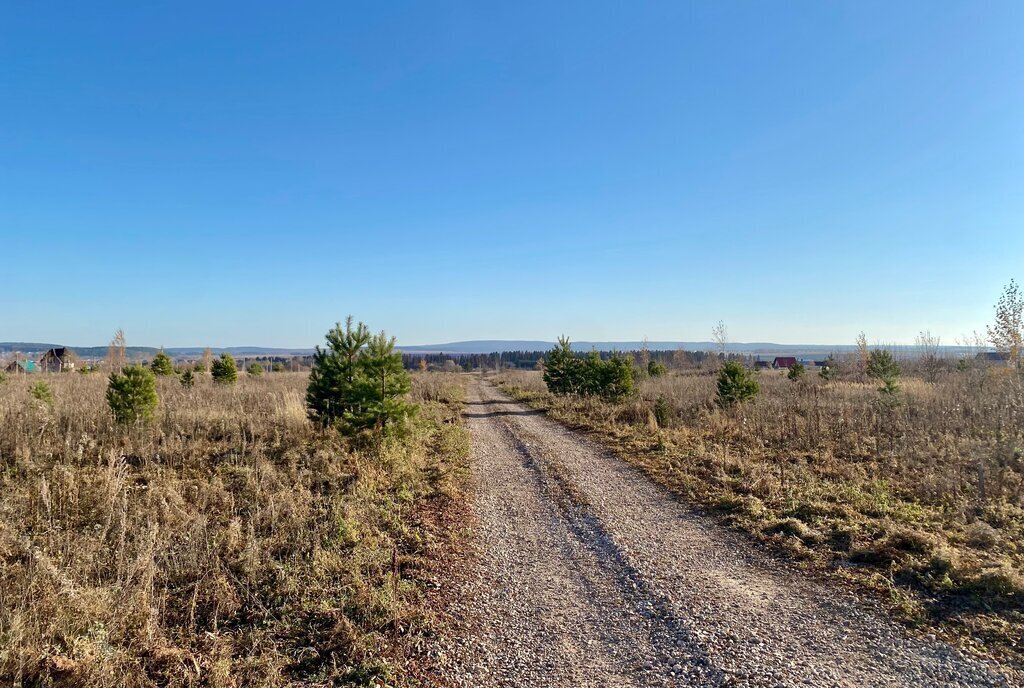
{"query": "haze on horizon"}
[(250, 174)]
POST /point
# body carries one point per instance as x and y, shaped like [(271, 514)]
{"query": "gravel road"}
[(587, 574)]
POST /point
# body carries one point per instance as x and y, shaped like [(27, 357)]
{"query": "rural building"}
[(57, 360), (784, 362), (21, 366), (994, 357)]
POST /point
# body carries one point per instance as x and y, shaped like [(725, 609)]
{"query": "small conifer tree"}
[(131, 394), (382, 365), (162, 365), (796, 371), (254, 370), (881, 365), (736, 384), (656, 369), (188, 379), (829, 371), (224, 369), (358, 381), (563, 369), (41, 391)]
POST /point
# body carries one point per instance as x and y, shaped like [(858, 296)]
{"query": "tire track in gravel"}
[(587, 574)]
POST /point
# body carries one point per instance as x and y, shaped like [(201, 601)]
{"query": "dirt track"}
[(589, 575)]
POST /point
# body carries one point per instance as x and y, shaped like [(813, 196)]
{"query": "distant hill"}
[(477, 346)]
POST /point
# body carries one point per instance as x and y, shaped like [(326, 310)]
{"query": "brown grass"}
[(924, 501), (228, 543)]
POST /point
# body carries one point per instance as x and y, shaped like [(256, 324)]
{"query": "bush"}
[(566, 373), (563, 370), (131, 395), (796, 371), (829, 371), (3, 377), (662, 412), (254, 370), (882, 366), (358, 382), (656, 369), (162, 365), (41, 391), (277, 367), (736, 384), (187, 379), (224, 370)]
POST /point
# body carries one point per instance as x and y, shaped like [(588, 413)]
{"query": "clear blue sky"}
[(248, 173)]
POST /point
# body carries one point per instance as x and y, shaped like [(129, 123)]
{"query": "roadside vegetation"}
[(202, 530), (906, 477)]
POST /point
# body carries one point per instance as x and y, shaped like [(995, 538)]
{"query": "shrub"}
[(662, 412), (566, 373), (41, 391), (611, 379), (277, 367), (3, 377), (358, 382), (563, 370), (131, 394), (829, 371), (736, 384), (882, 366), (981, 535), (162, 365), (187, 379), (224, 370), (656, 369), (254, 370), (796, 371)]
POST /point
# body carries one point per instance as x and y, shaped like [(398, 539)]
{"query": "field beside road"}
[(226, 543), (919, 502)]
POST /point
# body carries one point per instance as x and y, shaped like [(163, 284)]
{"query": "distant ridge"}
[(478, 346)]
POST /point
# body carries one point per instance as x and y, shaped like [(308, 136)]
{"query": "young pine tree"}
[(131, 394), (563, 370), (162, 365), (224, 370), (736, 384), (386, 402), (358, 381), (334, 395)]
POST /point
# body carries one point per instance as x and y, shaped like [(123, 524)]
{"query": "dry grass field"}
[(921, 501), (227, 543)]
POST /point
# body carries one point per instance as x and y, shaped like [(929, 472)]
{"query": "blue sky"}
[(248, 173)]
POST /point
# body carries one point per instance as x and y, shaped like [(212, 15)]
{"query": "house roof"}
[(58, 351), (784, 361)]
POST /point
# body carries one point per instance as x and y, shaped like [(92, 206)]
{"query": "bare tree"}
[(645, 355), (1007, 332), (720, 333), (679, 358), (928, 346), (207, 359), (117, 352), (862, 356)]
